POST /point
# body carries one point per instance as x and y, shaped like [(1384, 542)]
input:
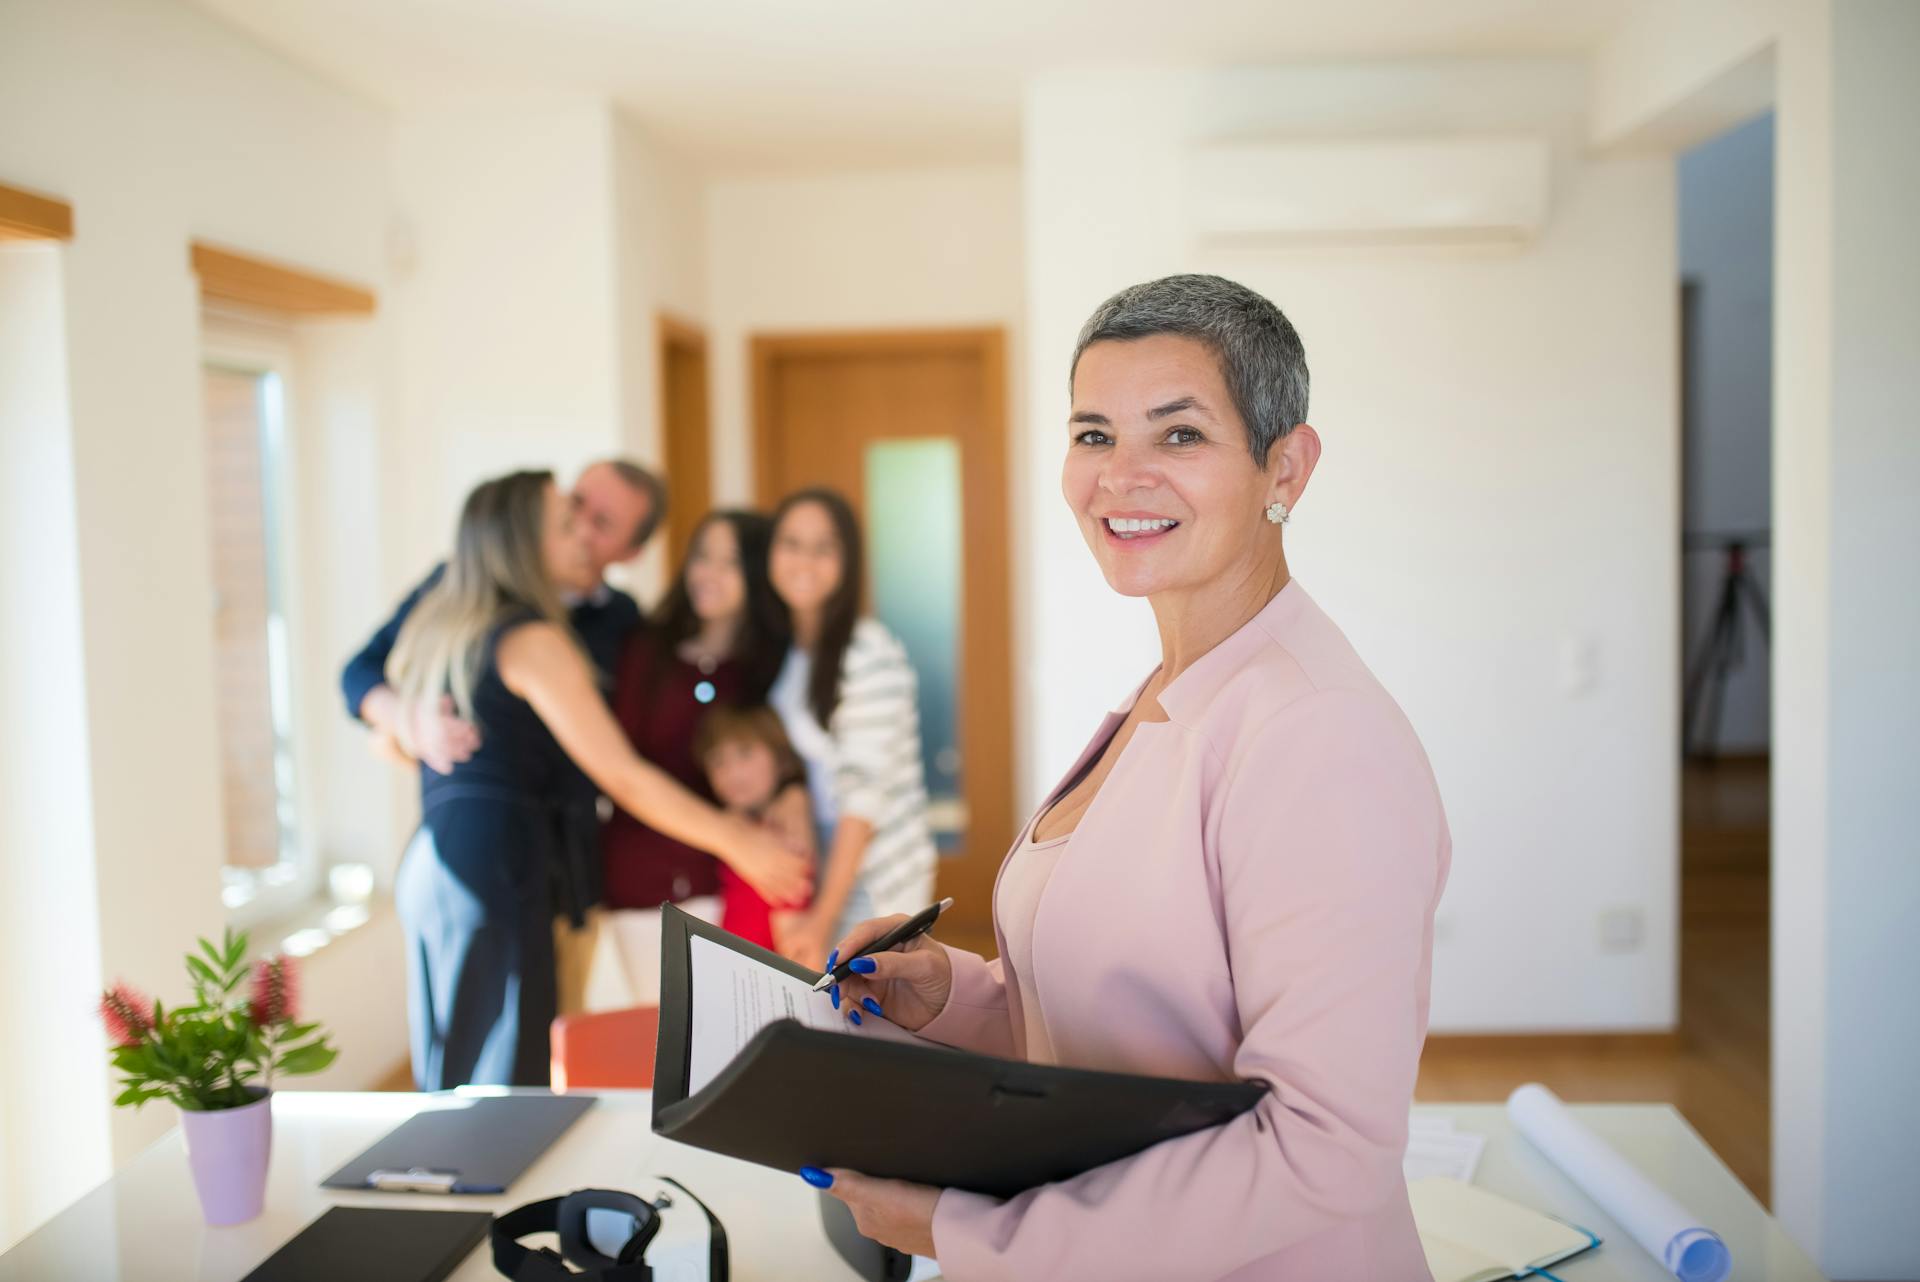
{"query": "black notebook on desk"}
[(748, 1064), (377, 1245)]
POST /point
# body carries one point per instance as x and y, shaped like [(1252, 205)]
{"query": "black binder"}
[(377, 1245), (796, 1096)]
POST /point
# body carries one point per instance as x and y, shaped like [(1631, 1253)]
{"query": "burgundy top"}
[(660, 712)]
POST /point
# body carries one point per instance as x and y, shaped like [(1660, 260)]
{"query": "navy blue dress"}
[(508, 837), (604, 622), (475, 892)]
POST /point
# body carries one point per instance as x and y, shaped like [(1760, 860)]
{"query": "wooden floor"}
[(1715, 1070)]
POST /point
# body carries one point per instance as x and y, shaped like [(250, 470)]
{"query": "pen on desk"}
[(918, 924)]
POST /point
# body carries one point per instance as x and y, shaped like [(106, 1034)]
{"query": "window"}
[(269, 863)]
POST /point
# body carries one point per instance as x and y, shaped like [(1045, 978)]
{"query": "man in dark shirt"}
[(617, 505)]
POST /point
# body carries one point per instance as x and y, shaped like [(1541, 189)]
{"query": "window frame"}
[(241, 342)]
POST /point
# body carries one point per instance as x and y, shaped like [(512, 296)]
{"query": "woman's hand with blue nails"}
[(892, 1212), (912, 981)]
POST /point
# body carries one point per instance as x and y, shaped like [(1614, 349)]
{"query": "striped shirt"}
[(866, 764)]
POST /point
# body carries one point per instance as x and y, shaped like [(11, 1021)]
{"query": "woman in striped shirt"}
[(847, 696)]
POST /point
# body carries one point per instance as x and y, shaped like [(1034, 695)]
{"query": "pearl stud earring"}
[(1277, 513)]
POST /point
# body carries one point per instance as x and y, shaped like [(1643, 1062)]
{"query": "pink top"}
[(1250, 896), (1016, 900)]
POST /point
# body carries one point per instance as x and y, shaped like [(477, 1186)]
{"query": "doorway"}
[(1726, 263), (911, 427)]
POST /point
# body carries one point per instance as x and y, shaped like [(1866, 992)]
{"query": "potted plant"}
[(217, 1059)]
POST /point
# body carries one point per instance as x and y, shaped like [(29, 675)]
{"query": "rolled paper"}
[(1669, 1232)]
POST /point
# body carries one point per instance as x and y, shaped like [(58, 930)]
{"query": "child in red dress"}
[(755, 773)]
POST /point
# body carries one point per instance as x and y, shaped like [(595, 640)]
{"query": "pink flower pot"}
[(228, 1150)]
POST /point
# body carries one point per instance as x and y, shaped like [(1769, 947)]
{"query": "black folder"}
[(796, 1096), (483, 1145), (377, 1244)]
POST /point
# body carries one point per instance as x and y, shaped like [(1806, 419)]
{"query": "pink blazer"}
[(1250, 896)]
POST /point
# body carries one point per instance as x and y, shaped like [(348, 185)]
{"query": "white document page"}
[(1435, 1148), (735, 997)]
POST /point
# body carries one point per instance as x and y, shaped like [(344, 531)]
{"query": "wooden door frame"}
[(986, 714), (671, 331)]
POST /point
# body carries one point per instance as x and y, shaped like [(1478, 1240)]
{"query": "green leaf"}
[(310, 1058), (201, 972)]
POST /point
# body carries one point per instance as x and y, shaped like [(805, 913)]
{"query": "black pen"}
[(918, 924)]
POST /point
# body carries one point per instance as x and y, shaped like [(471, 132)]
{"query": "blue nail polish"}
[(833, 959), (870, 1004), (853, 1014), (816, 1177), (863, 965), (834, 992)]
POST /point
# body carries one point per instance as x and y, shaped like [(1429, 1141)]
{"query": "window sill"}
[(317, 923)]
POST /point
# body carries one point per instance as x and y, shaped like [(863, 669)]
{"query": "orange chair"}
[(605, 1049)]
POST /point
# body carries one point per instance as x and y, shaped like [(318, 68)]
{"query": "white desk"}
[(144, 1225), (1657, 1140)]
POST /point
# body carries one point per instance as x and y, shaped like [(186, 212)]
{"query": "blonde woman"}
[(474, 887)]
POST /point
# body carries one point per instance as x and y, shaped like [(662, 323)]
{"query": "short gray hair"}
[(1261, 358)]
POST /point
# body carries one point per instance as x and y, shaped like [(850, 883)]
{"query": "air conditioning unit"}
[(1455, 190)]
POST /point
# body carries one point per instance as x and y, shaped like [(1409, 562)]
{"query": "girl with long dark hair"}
[(847, 695), (716, 640)]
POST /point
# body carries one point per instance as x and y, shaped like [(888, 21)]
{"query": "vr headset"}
[(661, 1234)]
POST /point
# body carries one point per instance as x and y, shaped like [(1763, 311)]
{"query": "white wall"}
[(1726, 248), (160, 126), (538, 239), (661, 239), (1873, 1021), (506, 289), (53, 1130), (910, 248), (1496, 504)]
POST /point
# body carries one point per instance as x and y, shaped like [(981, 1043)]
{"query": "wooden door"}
[(911, 427), (683, 417)]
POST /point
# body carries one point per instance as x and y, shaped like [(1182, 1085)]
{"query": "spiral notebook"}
[(1471, 1235)]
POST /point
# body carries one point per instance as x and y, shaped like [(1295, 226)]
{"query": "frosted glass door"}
[(914, 540)]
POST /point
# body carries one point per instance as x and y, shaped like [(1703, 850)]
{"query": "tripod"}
[(1723, 648)]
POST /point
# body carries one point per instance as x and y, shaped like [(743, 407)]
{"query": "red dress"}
[(742, 911), (656, 700)]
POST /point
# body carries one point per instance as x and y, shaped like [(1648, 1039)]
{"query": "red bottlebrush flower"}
[(276, 991), (127, 1013)]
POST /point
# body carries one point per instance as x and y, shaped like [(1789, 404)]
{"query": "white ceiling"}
[(746, 84)]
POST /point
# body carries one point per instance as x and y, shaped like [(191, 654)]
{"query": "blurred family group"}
[(748, 750)]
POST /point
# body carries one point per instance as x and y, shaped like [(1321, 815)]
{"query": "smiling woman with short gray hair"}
[(1237, 879)]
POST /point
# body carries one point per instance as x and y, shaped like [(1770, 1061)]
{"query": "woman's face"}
[(562, 550), (806, 562), (742, 772), (1157, 472), (716, 584)]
